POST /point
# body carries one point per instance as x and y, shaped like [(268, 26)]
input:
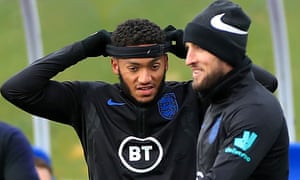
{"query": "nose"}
[(189, 58), (144, 77)]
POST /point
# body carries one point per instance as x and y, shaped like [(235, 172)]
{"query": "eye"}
[(132, 68), (156, 66)]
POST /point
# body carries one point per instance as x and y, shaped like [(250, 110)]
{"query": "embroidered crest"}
[(168, 106)]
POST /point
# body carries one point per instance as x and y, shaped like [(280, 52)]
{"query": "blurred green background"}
[(63, 22)]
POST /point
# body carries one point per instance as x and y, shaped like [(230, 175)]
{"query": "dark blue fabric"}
[(16, 158)]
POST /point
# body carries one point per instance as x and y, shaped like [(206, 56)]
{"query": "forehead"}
[(141, 61)]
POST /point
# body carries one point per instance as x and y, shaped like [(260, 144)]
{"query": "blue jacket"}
[(16, 157)]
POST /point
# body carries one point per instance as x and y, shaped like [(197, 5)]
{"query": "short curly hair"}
[(136, 32)]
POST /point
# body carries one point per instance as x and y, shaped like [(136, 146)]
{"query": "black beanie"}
[(222, 29)]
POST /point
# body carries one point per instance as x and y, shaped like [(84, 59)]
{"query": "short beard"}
[(209, 82)]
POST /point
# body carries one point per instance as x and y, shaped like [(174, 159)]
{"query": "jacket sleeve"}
[(33, 90)]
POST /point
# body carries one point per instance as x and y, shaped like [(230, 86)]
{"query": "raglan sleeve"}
[(34, 91)]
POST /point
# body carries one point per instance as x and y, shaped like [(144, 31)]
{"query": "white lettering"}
[(134, 153), (147, 152)]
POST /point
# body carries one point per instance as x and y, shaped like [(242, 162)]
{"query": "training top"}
[(121, 138)]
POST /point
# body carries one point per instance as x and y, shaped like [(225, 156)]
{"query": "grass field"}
[(63, 22)]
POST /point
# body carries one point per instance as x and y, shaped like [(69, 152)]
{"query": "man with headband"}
[(140, 128)]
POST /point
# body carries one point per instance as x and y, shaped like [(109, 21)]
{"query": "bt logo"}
[(135, 153), (140, 155)]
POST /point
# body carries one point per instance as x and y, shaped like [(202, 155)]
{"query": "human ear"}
[(114, 65)]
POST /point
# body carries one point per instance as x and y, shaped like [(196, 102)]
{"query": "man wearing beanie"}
[(244, 134)]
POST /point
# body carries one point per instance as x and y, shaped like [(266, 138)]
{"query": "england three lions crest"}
[(168, 106)]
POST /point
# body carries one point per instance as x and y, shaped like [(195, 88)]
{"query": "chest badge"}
[(168, 106), (140, 155)]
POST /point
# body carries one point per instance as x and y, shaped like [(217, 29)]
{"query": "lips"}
[(145, 90), (196, 73)]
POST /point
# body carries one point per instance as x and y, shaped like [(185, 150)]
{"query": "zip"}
[(141, 123)]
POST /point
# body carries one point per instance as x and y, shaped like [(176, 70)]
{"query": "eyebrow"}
[(153, 60)]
